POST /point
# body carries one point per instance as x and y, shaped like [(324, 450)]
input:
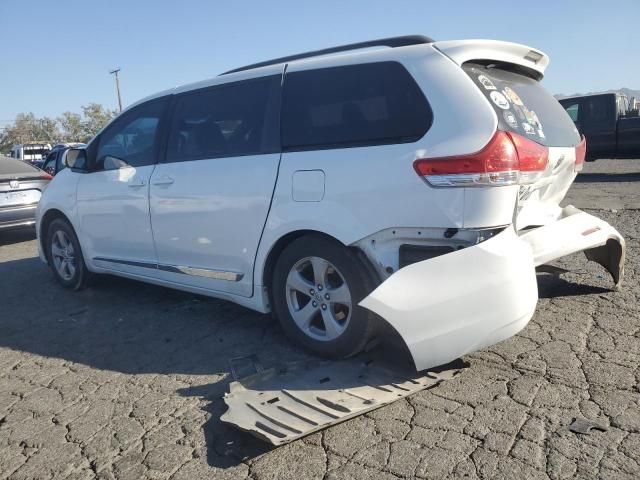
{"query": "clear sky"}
[(56, 54)]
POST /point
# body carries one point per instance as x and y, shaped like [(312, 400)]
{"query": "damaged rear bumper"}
[(466, 300)]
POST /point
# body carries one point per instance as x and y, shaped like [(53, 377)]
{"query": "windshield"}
[(524, 106)]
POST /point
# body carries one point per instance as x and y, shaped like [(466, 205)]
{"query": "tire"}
[(330, 327), (63, 248)]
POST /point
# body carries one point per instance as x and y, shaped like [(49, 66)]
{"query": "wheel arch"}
[(286, 239), (50, 215)]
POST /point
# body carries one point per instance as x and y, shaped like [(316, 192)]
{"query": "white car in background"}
[(402, 179)]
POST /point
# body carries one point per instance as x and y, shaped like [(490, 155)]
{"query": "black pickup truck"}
[(612, 130)]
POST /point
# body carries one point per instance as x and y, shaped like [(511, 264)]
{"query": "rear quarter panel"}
[(368, 189)]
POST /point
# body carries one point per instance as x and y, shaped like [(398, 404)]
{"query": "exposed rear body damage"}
[(466, 300)]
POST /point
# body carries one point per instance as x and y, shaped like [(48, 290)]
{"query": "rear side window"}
[(573, 110), (228, 120), (524, 106), (353, 105), (597, 111)]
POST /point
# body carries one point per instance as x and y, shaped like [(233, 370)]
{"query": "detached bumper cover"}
[(463, 301), (577, 231), (460, 302)]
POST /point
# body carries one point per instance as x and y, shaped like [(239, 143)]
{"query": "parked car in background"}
[(401, 179), (608, 122), (30, 152), (21, 186), (54, 161)]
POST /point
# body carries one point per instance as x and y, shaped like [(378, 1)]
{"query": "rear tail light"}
[(508, 159), (581, 152), (46, 176)]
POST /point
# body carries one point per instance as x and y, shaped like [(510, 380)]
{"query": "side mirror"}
[(76, 159)]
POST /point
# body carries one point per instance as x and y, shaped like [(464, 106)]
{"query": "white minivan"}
[(401, 180)]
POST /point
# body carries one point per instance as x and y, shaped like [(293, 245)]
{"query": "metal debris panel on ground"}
[(282, 405)]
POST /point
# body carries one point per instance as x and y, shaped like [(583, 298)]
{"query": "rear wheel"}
[(65, 255), (317, 285)]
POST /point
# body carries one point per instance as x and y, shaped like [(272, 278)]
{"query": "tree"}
[(46, 130), (95, 117), (27, 128), (68, 127), (71, 126)]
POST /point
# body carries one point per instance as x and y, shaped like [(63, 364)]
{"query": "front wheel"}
[(65, 255), (317, 285)]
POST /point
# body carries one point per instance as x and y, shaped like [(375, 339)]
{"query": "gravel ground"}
[(124, 380)]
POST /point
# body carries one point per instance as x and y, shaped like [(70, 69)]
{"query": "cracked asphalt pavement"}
[(125, 380)]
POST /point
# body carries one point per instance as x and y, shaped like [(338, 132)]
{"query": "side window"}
[(61, 166), (50, 164), (227, 120), (354, 105), (573, 110), (597, 112), (131, 140)]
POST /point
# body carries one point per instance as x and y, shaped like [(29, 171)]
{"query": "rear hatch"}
[(524, 107)]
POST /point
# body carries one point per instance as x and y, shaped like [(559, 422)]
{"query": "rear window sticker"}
[(486, 83), (528, 129), (511, 119), (513, 96), (500, 100), (519, 111), (536, 121), (528, 116)]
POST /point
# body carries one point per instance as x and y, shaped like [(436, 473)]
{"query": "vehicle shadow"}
[(551, 285), (607, 177), (134, 328), (17, 235)]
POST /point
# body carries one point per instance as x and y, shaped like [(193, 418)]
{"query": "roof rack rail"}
[(392, 42)]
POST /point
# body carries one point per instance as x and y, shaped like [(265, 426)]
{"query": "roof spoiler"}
[(462, 51)]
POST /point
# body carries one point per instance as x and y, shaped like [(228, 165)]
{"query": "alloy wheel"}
[(63, 254), (318, 298)]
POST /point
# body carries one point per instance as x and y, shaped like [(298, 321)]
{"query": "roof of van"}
[(392, 42), (458, 50)]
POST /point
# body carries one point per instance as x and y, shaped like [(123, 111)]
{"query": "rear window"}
[(353, 105), (524, 106), (12, 168)]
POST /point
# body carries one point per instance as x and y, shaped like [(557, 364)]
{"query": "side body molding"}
[(460, 302)]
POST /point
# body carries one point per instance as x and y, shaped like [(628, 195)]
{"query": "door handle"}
[(164, 180), (137, 182)]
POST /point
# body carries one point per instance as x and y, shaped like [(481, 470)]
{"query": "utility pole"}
[(115, 71)]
